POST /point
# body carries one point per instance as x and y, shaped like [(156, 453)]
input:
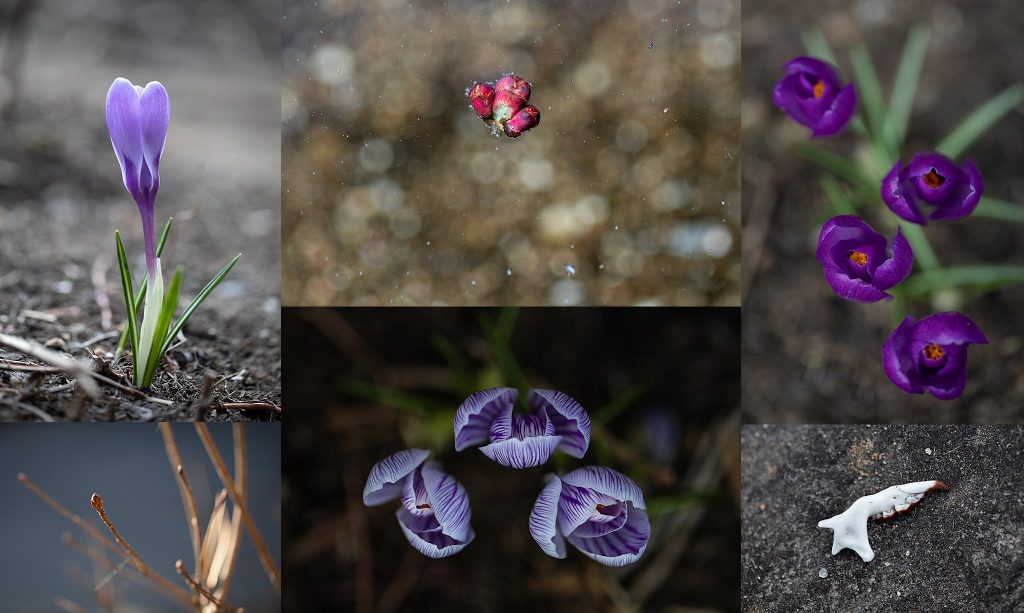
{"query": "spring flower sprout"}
[(435, 513), (931, 354), (855, 261), (518, 439), (503, 105), (935, 181), (812, 95), (137, 119), (598, 510)]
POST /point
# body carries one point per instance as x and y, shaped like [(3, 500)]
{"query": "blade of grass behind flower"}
[(129, 294), (457, 362), (841, 203), (982, 277), (622, 401), (506, 360), (142, 289), (1000, 209), (660, 505), (924, 255), (835, 163), (869, 91), (905, 87), (396, 399), (975, 124), (198, 300)]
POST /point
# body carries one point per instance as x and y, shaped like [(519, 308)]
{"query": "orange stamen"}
[(933, 351), (859, 258), (423, 506), (819, 89), (933, 179), (600, 506)]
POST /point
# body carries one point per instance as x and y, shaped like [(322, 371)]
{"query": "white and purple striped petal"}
[(620, 547), (448, 501), (522, 453), (483, 416), (387, 476), (570, 420), (609, 482), (544, 519), (430, 541)]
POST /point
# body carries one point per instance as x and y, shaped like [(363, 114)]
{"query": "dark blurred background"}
[(127, 465), (61, 194), (808, 356), (395, 193), (660, 385)]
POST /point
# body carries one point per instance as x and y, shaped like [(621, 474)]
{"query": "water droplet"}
[(822, 573), (650, 45), (569, 269), (928, 450), (508, 273)]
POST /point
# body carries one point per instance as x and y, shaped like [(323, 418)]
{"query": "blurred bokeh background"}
[(808, 356), (61, 194), (127, 465), (660, 386), (395, 193)]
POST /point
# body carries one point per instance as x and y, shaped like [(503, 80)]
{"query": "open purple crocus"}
[(931, 354), (598, 510), (855, 260), (522, 439), (435, 512), (811, 93), (932, 180)]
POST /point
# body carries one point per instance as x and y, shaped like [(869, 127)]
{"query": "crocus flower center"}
[(600, 506), (423, 506), (818, 89), (933, 351), (859, 258), (933, 179)]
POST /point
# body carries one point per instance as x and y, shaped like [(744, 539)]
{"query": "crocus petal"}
[(385, 480), (968, 196), (155, 116), (819, 68), (899, 202), (602, 522), (855, 290), (576, 506), (897, 359), (897, 267), (448, 500), (838, 115), (475, 416), (619, 548), (123, 123), (544, 519), (569, 418), (608, 482), (525, 453), (947, 329), (433, 544)]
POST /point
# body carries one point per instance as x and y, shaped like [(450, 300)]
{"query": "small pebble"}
[(928, 450), (822, 573)]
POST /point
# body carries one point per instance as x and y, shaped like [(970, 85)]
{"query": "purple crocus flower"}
[(857, 266), (435, 513), (137, 118), (931, 354), (598, 510), (933, 180), (522, 440), (812, 95)]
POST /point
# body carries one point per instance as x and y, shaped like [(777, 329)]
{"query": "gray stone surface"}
[(957, 550)]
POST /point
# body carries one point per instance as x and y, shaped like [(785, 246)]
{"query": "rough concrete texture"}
[(957, 550)]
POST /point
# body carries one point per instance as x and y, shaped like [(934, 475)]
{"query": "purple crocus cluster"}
[(598, 510), (860, 264)]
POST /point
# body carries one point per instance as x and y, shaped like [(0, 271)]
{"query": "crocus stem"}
[(150, 317), (149, 237), (924, 255)]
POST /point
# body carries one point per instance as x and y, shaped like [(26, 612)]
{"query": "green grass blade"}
[(835, 163), (129, 293), (903, 90), (983, 277), (163, 322), (869, 93), (198, 300), (1000, 209), (975, 124), (397, 399), (924, 255), (817, 46), (660, 505), (622, 401), (506, 324), (142, 290), (507, 362), (840, 201)]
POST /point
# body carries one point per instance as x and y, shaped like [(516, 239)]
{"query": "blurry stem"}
[(506, 361), (179, 566), (241, 484), (191, 513), (222, 471), (403, 401), (924, 255), (97, 503), (177, 594)]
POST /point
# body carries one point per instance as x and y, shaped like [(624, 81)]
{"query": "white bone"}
[(850, 528)]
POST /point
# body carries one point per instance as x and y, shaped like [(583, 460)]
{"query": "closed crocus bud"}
[(512, 94), (932, 186), (855, 259), (930, 355), (481, 96), (811, 93), (522, 121)]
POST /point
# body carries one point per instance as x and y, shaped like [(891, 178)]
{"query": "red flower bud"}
[(525, 119), (512, 93), (481, 96)]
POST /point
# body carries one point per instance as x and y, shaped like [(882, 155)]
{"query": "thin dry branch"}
[(184, 488), (222, 471), (180, 567), (242, 486), (71, 366)]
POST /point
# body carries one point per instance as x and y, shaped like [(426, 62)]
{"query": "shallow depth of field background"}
[(659, 385), (126, 464), (62, 197), (808, 356), (395, 193)]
